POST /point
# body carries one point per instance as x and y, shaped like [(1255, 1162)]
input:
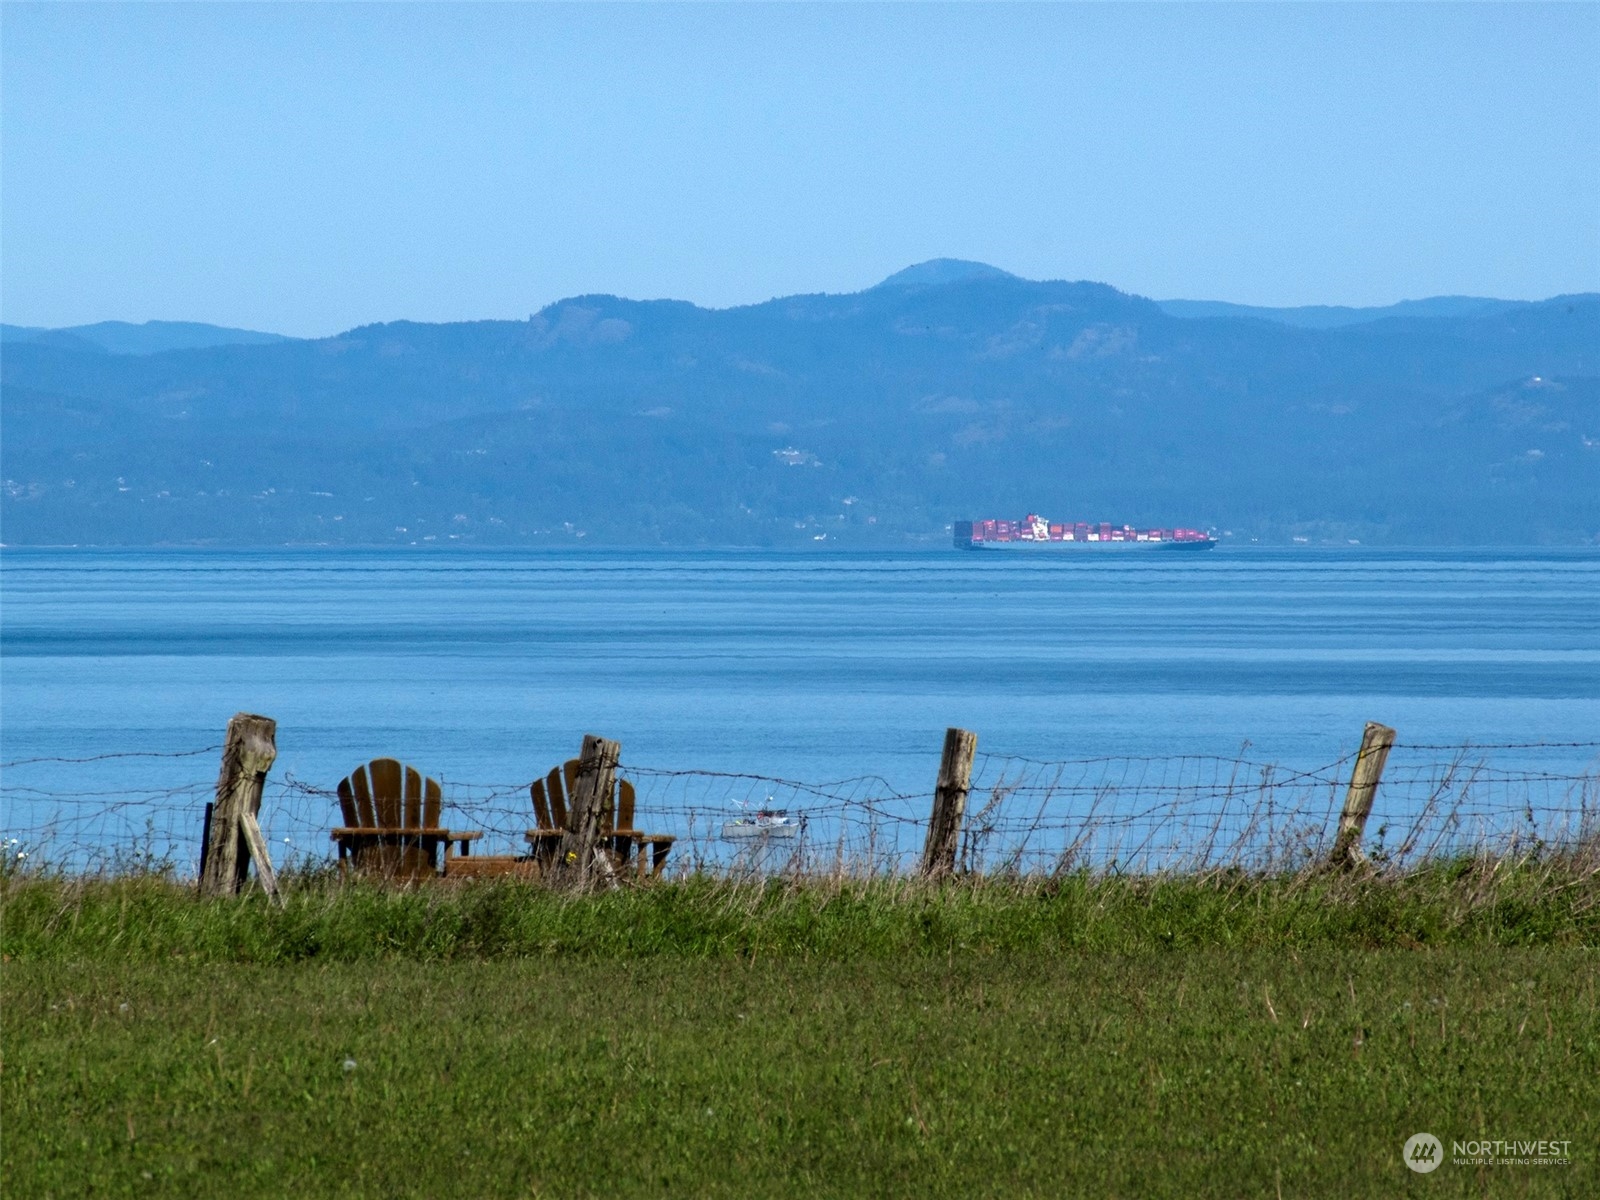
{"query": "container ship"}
[(1035, 533)]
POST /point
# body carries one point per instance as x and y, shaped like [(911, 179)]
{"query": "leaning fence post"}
[(1376, 742), (233, 832), (591, 793), (949, 802)]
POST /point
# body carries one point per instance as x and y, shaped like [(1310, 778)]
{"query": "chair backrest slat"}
[(413, 806), (367, 815), (432, 802), (541, 806), (385, 774), (347, 805), (558, 798)]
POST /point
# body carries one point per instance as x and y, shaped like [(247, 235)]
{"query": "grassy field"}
[(1218, 1036)]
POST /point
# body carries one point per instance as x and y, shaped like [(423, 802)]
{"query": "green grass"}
[(1466, 902), (1220, 1036)]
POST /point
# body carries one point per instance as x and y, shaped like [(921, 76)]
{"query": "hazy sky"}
[(305, 168)]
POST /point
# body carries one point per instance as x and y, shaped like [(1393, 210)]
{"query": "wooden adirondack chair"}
[(617, 833), (391, 823)]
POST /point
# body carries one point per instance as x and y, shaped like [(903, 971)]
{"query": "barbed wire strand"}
[(1025, 814)]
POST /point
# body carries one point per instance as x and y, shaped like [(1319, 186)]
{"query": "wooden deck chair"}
[(391, 823), (617, 832), (550, 810)]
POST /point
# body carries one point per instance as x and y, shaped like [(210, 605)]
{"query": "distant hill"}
[(872, 418), (152, 337), (1323, 316), (937, 272)]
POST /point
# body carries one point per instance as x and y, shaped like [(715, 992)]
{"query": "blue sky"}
[(306, 168)]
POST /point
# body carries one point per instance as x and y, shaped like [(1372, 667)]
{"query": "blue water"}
[(489, 667)]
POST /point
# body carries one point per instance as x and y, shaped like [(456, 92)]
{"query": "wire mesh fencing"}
[(1024, 816)]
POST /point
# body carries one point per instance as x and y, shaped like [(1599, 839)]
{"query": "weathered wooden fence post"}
[(949, 802), (591, 794), (1376, 742), (234, 834)]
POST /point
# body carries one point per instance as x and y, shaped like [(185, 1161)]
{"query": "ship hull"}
[(1035, 533), (1188, 547)]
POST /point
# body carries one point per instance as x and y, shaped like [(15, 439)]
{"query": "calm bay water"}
[(488, 668)]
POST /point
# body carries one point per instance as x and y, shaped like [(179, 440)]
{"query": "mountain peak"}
[(937, 271)]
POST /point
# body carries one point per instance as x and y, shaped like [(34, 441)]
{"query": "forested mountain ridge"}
[(950, 390), (150, 337)]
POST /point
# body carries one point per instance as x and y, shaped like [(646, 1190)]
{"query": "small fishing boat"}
[(766, 824)]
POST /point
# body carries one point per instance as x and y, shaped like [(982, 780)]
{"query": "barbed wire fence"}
[(1024, 816)]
